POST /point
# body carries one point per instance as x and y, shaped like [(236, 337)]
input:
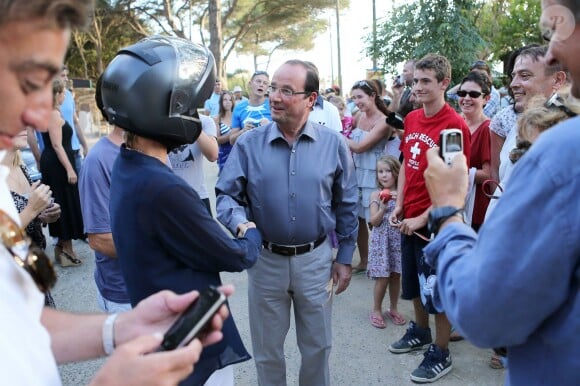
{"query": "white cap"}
[(237, 89)]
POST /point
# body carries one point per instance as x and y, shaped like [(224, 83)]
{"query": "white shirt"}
[(25, 354), (326, 115), (187, 160)]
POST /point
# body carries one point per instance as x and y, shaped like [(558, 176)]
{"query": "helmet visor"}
[(190, 68)]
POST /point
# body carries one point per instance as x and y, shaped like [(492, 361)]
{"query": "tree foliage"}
[(461, 30), (415, 29), (254, 27), (112, 27), (509, 24)]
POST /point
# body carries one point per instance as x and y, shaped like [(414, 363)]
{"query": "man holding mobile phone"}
[(432, 75), (36, 33), (523, 267)]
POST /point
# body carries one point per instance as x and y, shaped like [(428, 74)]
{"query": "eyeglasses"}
[(556, 102), (33, 259), (286, 92), (472, 94)]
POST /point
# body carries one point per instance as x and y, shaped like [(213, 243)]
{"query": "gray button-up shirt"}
[(295, 193)]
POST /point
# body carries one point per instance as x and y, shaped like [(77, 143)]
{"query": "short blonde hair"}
[(538, 117), (57, 88)]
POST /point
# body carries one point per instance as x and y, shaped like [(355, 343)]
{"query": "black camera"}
[(399, 81), (395, 120)]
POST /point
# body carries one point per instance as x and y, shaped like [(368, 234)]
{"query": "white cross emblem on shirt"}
[(415, 150)]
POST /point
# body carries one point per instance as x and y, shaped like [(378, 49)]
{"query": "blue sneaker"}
[(416, 338), (436, 363)]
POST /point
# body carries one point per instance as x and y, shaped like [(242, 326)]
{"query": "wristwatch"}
[(438, 215)]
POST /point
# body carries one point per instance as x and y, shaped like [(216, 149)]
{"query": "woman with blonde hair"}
[(32, 200), (540, 116), (57, 168)]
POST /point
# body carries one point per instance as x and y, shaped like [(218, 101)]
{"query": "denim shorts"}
[(415, 269)]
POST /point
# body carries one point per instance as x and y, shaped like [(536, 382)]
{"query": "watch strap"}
[(438, 216)]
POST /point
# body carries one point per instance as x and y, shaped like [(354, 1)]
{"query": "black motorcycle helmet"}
[(154, 87)]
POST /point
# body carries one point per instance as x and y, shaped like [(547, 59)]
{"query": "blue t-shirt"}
[(94, 189), (67, 109), (244, 111), (212, 105)]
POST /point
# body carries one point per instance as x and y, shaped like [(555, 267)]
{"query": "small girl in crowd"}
[(346, 121), (384, 264)]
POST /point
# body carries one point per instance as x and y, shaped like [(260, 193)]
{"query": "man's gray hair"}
[(61, 13)]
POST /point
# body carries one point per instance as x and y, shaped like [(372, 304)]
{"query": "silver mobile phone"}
[(193, 320), (450, 144)]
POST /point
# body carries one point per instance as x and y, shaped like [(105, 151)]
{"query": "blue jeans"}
[(78, 161), (111, 307)]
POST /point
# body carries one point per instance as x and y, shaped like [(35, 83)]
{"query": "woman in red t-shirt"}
[(474, 92)]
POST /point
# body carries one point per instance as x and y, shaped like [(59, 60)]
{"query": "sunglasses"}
[(473, 94), (28, 256), (362, 83), (556, 102)]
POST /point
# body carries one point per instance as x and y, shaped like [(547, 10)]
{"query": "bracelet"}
[(109, 334)]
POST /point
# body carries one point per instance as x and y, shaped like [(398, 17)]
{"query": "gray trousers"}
[(275, 283)]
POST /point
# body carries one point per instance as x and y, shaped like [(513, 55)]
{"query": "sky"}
[(355, 23)]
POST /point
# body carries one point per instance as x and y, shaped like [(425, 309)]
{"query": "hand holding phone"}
[(450, 144), (193, 320)]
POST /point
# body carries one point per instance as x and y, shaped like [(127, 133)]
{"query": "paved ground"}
[(359, 353)]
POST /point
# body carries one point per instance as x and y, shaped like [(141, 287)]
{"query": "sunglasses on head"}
[(362, 83), (33, 259), (556, 102), (473, 94)]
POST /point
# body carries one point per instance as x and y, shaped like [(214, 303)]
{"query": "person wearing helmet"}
[(164, 236), (34, 338)]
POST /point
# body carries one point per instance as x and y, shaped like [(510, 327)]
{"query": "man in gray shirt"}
[(295, 181)]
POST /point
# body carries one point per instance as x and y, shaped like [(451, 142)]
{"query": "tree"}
[(415, 29), (249, 26), (106, 34), (508, 25)]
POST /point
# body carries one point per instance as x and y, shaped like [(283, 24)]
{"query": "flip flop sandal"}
[(496, 363), (455, 336), (396, 318), (377, 320)]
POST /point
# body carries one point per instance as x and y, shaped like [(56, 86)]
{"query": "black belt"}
[(292, 250)]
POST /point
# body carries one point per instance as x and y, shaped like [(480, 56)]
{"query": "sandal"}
[(377, 320), (455, 335), (359, 269), (67, 260), (496, 362), (396, 318)]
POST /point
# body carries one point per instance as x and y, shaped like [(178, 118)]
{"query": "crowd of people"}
[(469, 243)]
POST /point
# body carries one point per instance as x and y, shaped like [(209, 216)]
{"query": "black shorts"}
[(413, 266)]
